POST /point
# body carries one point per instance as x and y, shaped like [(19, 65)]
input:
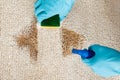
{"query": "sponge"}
[(52, 22)]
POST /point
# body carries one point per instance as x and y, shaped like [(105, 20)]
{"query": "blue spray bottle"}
[(103, 60)]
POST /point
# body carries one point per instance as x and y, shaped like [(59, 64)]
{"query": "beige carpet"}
[(97, 20)]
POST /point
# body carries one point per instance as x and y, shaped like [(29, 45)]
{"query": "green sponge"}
[(53, 21)]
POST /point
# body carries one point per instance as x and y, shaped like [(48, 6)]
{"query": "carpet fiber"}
[(97, 20)]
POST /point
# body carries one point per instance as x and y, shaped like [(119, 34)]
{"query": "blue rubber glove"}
[(106, 61), (48, 8), (103, 60)]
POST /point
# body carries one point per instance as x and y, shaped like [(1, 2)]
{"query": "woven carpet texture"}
[(28, 52)]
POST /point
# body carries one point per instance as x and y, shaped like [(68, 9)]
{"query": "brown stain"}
[(71, 39), (29, 40)]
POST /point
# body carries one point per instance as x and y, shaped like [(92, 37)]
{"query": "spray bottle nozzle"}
[(84, 53)]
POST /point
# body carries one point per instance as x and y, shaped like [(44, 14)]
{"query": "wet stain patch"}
[(71, 39), (29, 40)]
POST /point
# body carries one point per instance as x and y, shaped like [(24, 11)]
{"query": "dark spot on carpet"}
[(29, 40), (71, 39)]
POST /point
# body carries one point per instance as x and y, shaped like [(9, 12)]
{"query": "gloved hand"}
[(105, 62), (48, 8)]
